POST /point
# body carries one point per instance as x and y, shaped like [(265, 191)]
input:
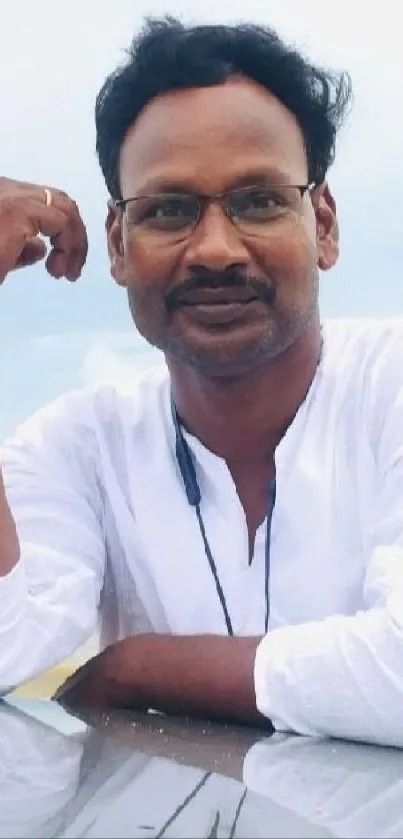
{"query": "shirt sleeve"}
[(49, 601), (343, 676)]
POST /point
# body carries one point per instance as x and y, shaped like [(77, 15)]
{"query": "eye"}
[(165, 212), (259, 203), (164, 208)]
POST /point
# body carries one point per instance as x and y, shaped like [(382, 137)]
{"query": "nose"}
[(215, 244)]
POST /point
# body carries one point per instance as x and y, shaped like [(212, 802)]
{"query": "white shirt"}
[(106, 529)]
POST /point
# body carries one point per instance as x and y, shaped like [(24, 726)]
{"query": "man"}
[(237, 521)]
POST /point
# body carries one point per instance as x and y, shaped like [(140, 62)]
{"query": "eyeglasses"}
[(167, 218)]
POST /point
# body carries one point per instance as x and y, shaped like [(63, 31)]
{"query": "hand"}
[(25, 216), (96, 685)]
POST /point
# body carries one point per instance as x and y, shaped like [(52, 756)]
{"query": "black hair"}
[(167, 55)]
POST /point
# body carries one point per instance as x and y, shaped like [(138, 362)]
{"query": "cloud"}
[(43, 367), (98, 356), (47, 90), (103, 365), (82, 341)]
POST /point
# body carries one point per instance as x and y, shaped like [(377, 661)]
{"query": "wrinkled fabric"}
[(107, 535)]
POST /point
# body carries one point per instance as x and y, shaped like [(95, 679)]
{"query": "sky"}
[(54, 58)]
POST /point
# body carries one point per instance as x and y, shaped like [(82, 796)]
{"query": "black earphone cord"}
[(187, 470)]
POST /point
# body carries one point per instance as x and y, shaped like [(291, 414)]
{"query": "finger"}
[(77, 236), (15, 231), (79, 250), (24, 220), (66, 686), (24, 217), (57, 261), (33, 252), (56, 222)]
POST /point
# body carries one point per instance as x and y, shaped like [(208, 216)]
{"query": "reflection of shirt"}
[(95, 785), (39, 774), (348, 789), (53, 785), (104, 525)]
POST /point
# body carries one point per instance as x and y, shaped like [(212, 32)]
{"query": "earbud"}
[(185, 463)]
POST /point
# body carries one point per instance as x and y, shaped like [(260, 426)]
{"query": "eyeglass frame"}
[(219, 197)]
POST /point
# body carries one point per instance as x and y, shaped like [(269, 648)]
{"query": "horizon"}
[(48, 137)]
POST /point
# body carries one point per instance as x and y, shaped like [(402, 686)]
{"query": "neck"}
[(245, 418)]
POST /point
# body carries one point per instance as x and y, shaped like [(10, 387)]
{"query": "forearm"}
[(9, 547), (206, 676), (340, 677), (38, 630)]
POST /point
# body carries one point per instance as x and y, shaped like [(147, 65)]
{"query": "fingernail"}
[(75, 271)]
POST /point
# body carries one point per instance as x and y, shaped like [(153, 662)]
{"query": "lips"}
[(217, 297), (214, 308)]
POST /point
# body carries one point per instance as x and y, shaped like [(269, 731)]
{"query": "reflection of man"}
[(237, 521), (98, 785), (104, 782)]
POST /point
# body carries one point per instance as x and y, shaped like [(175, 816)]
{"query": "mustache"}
[(231, 278)]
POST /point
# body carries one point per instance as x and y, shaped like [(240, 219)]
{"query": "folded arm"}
[(340, 677), (208, 676), (49, 596)]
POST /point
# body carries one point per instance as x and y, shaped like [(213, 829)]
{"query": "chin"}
[(222, 358)]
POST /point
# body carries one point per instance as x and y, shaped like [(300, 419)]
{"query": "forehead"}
[(208, 138)]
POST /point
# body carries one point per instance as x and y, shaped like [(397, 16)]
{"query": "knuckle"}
[(14, 211), (66, 199), (60, 193), (72, 209), (7, 185)]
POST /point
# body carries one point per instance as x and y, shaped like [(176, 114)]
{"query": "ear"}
[(327, 227), (115, 242)]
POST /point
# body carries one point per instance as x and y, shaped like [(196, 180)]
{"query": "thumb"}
[(34, 250)]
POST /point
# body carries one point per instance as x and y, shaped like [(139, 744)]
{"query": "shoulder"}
[(363, 371), (368, 352), (363, 341), (81, 421)]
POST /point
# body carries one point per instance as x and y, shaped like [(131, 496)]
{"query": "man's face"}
[(227, 294)]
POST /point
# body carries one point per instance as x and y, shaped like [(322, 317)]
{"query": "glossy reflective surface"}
[(135, 776)]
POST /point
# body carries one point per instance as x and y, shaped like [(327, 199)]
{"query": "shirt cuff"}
[(268, 662)]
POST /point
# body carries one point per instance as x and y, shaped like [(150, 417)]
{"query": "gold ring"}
[(48, 197)]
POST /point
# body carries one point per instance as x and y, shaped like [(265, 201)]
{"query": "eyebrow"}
[(274, 177), (271, 177)]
